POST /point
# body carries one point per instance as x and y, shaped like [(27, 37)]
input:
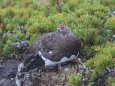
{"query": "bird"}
[(52, 48)]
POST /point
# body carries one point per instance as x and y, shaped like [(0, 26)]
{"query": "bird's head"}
[(63, 28)]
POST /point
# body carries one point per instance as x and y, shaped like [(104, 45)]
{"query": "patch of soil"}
[(8, 70)]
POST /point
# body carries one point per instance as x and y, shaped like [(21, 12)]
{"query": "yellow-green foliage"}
[(88, 36), (38, 24), (70, 5), (109, 3), (7, 50), (84, 17), (33, 37), (75, 80), (111, 80), (105, 55), (105, 58), (11, 39), (108, 48), (110, 24)]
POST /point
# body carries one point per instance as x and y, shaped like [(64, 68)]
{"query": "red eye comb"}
[(62, 26)]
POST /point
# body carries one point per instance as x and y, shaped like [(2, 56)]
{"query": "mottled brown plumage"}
[(56, 45)]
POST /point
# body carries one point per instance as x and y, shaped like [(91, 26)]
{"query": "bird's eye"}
[(63, 26)]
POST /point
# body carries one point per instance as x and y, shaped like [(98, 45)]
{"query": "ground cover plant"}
[(28, 19)]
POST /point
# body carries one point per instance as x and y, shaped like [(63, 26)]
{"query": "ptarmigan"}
[(53, 48)]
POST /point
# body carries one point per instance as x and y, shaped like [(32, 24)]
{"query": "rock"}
[(67, 84), (8, 71), (7, 82)]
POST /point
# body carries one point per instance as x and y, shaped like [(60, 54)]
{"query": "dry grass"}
[(51, 77)]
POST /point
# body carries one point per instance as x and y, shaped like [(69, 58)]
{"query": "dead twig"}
[(84, 77), (104, 74), (108, 72), (112, 73), (21, 45)]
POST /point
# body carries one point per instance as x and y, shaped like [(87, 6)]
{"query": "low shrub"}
[(110, 24), (99, 63)]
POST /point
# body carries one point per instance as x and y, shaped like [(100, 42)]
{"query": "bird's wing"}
[(62, 48), (55, 46), (44, 43)]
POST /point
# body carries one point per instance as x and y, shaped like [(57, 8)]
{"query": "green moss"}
[(75, 80)]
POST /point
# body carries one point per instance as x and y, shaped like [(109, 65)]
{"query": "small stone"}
[(108, 30), (66, 69), (12, 78), (66, 84), (113, 36)]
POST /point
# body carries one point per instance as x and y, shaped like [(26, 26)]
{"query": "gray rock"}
[(8, 71)]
